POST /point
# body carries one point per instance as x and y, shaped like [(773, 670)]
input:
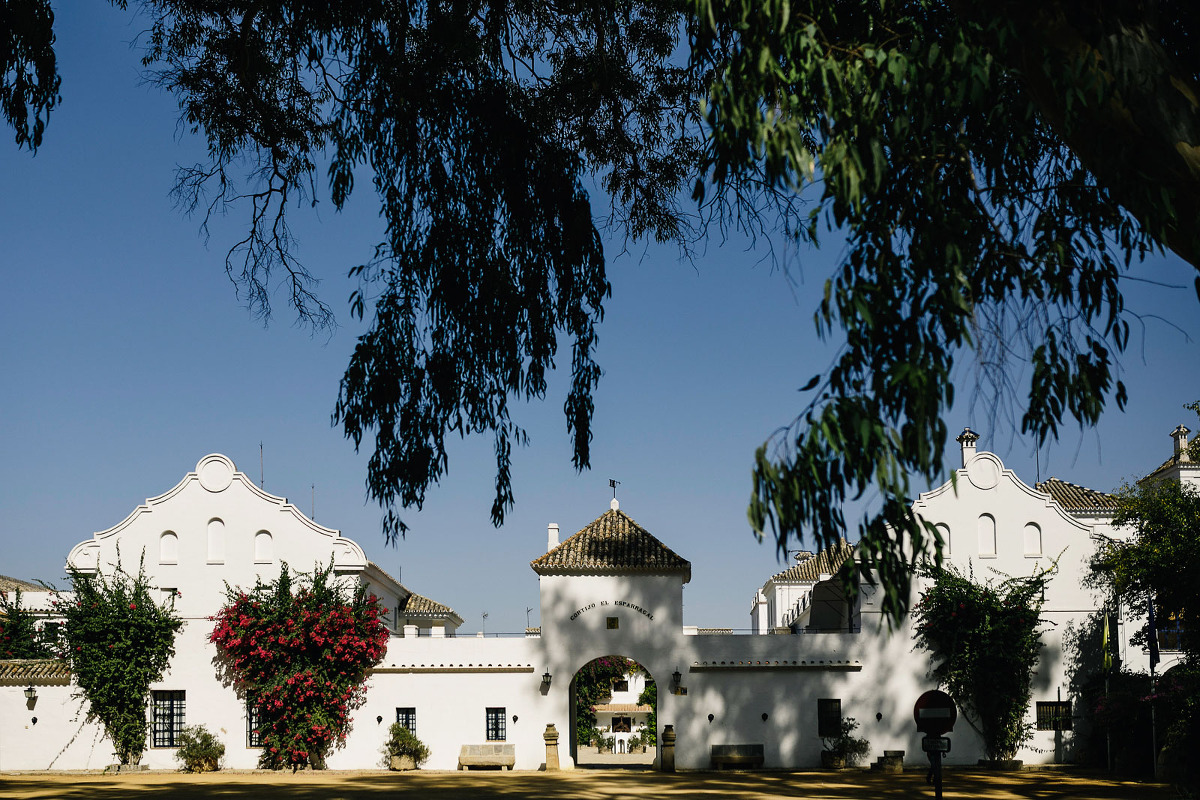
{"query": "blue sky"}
[(127, 356)]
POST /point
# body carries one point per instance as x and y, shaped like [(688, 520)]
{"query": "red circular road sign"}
[(935, 713)]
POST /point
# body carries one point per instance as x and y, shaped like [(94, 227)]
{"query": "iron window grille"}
[(829, 717), (496, 724), (167, 717), (1054, 715)]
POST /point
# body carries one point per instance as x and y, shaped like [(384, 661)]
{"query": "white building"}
[(611, 589)]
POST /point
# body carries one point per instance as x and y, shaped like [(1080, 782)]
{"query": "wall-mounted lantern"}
[(379, 720), (676, 678), (31, 693), (710, 718), (514, 719), (764, 716), (546, 679)]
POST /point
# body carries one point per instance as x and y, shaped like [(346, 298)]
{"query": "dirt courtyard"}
[(586, 784)]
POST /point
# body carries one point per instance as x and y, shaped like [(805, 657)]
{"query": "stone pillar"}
[(411, 631), (551, 737), (668, 748)]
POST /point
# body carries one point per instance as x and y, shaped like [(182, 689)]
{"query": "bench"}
[(737, 755), (487, 755)]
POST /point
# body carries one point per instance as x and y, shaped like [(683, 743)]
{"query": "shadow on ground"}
[(585, 784)]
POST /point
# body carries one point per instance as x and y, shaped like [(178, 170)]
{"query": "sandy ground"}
[(587, 784)]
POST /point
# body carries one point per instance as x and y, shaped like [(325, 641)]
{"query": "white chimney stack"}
[(551, 536), (967, 439), (1180, 435)]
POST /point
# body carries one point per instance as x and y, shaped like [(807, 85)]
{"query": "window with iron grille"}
[(495, 724), (1170, 630), (829, 717), (407, 717), (1054, 715), (167, 715), (254, 736)]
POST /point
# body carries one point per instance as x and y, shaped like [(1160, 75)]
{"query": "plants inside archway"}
[(593, 684)]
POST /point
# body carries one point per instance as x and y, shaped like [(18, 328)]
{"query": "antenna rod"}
[(261, 483), (313, 515)]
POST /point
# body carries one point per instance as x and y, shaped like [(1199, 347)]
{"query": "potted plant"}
[(404, 749), (844, 749), (199, 750), (634, 745)]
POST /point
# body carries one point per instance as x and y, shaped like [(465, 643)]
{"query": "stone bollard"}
[(551, 737), (668, 748)]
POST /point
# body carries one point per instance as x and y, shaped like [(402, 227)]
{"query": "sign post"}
[(935, 715)]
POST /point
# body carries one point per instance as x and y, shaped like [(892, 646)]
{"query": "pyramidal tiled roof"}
[(612, 544), (1077, 498), (810, 567), (416, 605)]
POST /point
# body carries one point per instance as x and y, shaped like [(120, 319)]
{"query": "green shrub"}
[(845, 744), (403, 742), (199, 750)]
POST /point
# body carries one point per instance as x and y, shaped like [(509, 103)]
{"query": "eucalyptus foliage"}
[(994, 169), (984, 640), (118, 641)]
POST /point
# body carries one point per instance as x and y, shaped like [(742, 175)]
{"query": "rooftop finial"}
[(613, 504)]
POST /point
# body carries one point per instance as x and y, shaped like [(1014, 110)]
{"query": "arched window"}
[(944, 530), (987, 535), (168, 548), (1033, 539), (216, 541), (264, 550)]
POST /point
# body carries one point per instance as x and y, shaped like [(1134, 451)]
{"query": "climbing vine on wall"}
[(19, 634), (118, 641), (985, 641), (300, 648)]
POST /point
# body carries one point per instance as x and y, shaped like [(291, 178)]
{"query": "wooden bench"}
[(739, 756), (487, 755)]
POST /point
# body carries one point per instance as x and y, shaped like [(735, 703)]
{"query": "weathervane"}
[(612, 483)]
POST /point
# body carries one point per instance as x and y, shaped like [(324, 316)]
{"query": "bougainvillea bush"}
[(985, 642), (118, 642), (300, 649)]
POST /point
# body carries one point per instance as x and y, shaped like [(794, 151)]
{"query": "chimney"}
[(551, 536), (1180, 435), (967, 439)]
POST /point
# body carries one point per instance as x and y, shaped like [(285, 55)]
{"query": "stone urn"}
[(832, 760), (402, 763)]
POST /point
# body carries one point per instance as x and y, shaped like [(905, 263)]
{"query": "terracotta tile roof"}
[(612, 544), (35, 672), (8, 584), (416, 605), (809, 567), (1077, 498), (622, 708)]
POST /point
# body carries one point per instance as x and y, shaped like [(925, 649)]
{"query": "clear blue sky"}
[(126, 357)]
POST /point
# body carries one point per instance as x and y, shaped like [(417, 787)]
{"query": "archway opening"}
[(614, 715)]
